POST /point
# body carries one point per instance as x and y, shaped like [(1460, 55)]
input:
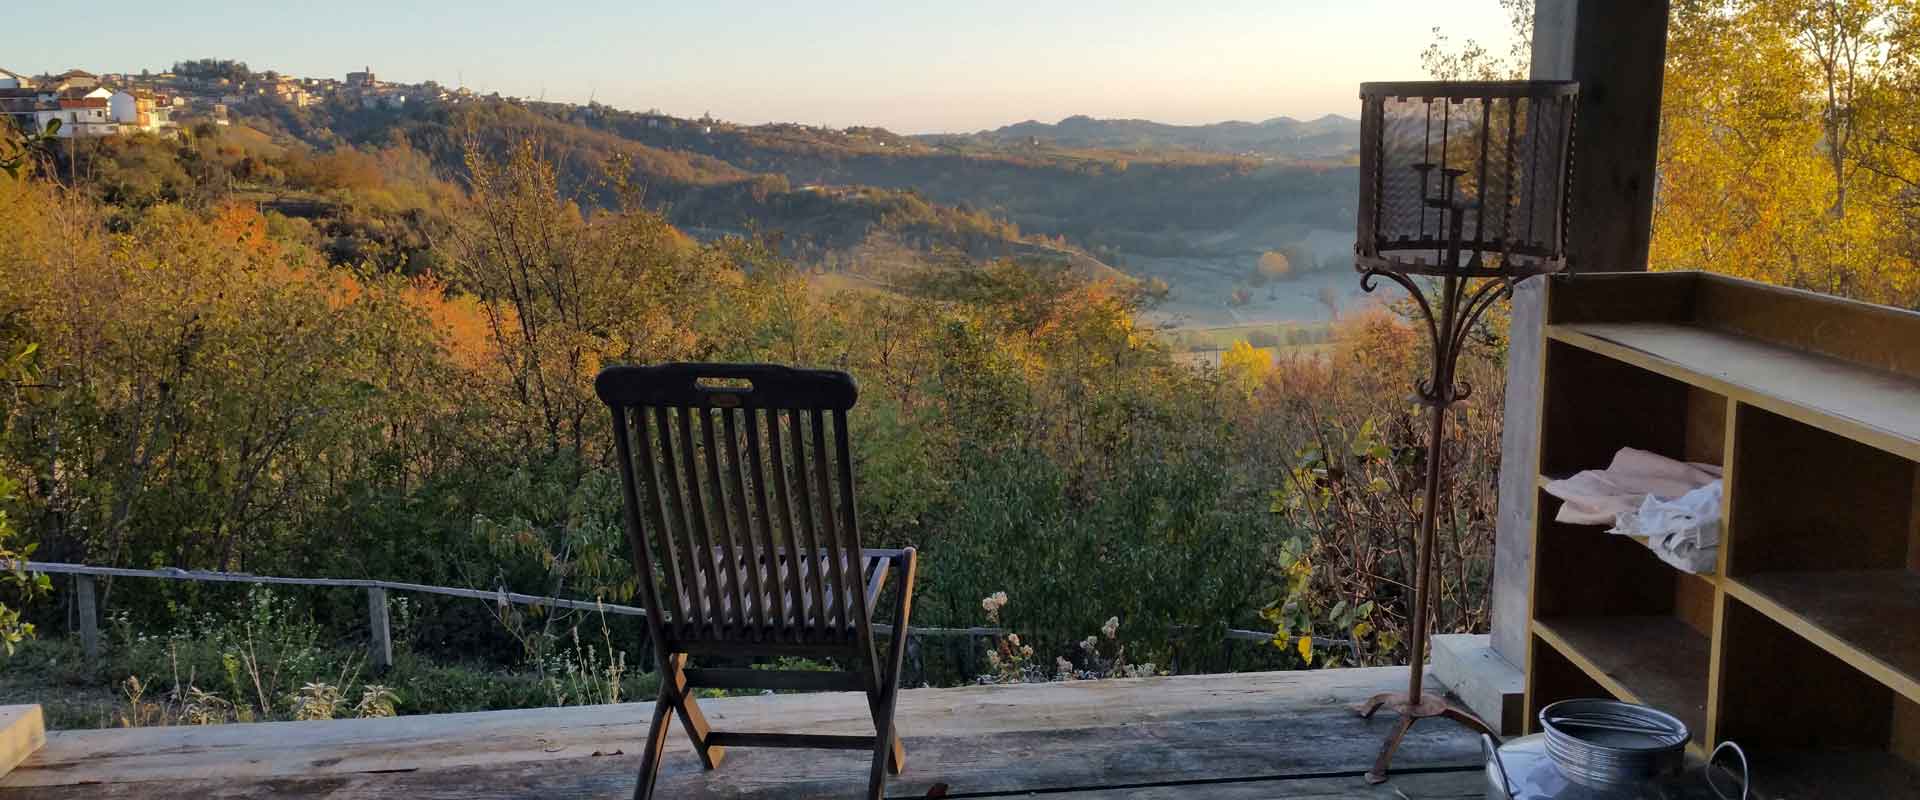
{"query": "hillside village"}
[(88, 104)]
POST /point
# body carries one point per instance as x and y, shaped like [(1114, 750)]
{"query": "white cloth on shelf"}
[(1599, 497), (1683, 531)]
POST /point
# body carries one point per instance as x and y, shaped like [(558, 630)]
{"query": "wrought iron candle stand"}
[(1463, 188)]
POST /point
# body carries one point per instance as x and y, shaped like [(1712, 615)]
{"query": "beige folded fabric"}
[(1597, 497)]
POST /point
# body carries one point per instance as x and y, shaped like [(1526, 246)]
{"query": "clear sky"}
[(909, 65)]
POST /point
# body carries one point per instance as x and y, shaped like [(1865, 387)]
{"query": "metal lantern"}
[(1465, 178), (1463, 193)]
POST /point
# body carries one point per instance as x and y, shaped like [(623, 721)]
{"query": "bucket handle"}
[(1746, 778), (1491, 750)]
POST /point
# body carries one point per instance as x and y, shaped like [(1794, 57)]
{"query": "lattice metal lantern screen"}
[(1467, 178)]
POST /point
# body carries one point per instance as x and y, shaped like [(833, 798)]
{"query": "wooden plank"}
[(85, 598), (1693, 597), (837, 549), (1003, 763), (686, 595), (1657, 660), (23, 730), (276, 750), (1706, 435), (379, 632), (1621, 296), (1512, 593), (692, 510), (1868, 618), (1875, 336), (816, 625), (1463, 784), (1880, 408), (1905, 739)]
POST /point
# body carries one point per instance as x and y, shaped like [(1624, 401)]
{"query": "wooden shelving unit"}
[(1804, 646)]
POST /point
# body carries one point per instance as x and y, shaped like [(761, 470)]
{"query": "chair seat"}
[(775, 570)]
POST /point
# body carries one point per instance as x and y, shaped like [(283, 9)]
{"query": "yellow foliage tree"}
[(1783, 152), (1245, 366)]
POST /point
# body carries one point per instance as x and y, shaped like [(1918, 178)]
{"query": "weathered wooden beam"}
[(1617, 51), (1324, 741), (271, 753), (23, 730), (380, 648), (85, 606)]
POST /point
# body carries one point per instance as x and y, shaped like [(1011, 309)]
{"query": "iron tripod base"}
[(1428, 705)]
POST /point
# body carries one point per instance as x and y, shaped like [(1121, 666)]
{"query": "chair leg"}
[(674, 683), (655, 747), (876, 693), (887, 750)]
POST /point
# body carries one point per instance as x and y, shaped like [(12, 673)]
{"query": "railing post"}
[(382, 645), (83, 596)]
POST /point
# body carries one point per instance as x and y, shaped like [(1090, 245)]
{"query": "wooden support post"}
[(381, 646), (1617, 51), (83, 600)]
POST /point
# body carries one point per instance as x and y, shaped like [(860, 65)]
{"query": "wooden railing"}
[(380, 631)]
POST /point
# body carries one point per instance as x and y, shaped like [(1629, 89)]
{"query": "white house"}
[(140, 110), (79, 117)]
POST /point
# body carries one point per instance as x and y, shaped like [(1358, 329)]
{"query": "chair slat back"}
[(738, 487)]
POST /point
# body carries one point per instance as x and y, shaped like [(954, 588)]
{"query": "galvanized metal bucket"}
[(1602, 750)]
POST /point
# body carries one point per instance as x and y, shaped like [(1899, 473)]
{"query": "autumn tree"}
[(1273, 266), (1782, 152)]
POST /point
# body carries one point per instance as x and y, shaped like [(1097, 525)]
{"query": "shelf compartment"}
[(1595, 405), (1868, 618), (1548, 503), (1657, 661), (1805, 715), (1803, 499), (1583, 571), (1860, 402)]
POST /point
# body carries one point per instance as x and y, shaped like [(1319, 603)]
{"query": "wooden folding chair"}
[(742, 523)]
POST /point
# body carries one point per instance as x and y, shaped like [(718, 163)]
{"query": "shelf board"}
[(1867, 618), (1655, 660), (1880, 408)]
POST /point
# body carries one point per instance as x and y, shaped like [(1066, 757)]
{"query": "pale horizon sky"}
[(906, 67)]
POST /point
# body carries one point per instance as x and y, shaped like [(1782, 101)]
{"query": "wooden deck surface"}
[(1233, 737)]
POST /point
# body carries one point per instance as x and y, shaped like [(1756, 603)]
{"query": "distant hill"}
[(1196, 207), (702, 194), (1331, 136), (1117, 204)]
